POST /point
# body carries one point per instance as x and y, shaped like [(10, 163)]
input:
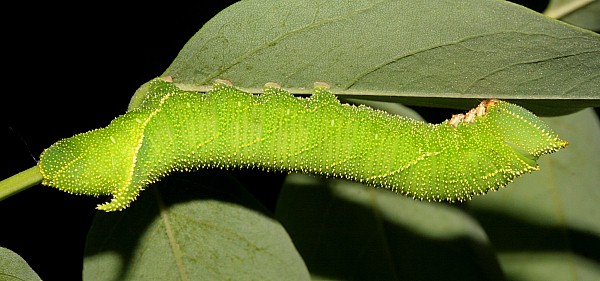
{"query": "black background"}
[(69, 69)]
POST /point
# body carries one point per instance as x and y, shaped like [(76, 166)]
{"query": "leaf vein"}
[(280, 38)]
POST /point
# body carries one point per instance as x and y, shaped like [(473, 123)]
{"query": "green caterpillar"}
[(176, 130)]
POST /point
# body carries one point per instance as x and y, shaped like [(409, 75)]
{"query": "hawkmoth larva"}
[(175, 130)]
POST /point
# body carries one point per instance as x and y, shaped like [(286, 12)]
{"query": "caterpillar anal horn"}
[(469, 117)]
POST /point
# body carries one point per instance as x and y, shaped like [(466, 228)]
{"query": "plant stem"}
[(566, 9), (20, 182)]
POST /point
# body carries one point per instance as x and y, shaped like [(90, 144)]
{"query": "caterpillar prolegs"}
[(179, 130)]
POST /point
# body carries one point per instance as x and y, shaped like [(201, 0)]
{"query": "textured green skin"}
[(176, 130)]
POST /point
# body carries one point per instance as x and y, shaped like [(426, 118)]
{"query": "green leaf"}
[(14, 268), (345, 231), (583, 13), (545, 225), (209, 231), (410, 50)]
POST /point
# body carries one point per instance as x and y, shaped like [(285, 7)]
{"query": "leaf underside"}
[(405, 51)]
